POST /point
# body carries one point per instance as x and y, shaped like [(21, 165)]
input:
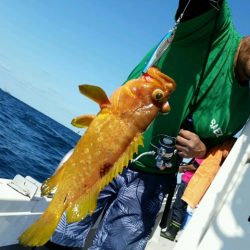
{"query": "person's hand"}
[(184, 168), (189, 145), (242, 61)]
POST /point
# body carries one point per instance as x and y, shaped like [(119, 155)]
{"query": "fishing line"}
[(164, 43), (142, 154), (215, 4), (160, 49)]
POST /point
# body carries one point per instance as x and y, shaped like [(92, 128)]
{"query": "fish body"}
[(107, 146)]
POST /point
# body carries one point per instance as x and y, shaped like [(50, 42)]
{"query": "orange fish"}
[(107, 146)]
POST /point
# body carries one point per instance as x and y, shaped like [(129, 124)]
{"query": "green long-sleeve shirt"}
[(223, 105)]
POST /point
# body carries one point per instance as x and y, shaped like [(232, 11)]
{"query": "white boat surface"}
[(220, 222)]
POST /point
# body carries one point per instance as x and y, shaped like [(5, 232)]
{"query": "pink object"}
[(189, 174), (198, 160)]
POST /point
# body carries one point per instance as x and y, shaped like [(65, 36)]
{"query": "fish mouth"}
[(165, 108)]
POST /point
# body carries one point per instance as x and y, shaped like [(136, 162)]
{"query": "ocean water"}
[(31, 143)]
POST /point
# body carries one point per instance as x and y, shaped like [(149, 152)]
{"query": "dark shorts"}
[(130, 204)]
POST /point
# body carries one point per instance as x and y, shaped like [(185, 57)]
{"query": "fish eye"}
[(158, 95)]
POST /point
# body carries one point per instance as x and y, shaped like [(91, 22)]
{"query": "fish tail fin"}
[(41, 231)]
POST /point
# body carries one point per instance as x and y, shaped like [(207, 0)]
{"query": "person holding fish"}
[(128, 158)]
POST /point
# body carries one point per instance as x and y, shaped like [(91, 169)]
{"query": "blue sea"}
[(31, 143)]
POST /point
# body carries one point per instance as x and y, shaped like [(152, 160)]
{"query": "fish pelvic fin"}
[(86, 204), (52, 182), (41, 231), (96, 94), (82, 121)]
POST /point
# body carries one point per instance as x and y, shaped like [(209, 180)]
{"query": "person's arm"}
[(189, 145), (242, 61)]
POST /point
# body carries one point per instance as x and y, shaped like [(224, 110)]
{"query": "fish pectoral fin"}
[(96, 94), (82, 121)]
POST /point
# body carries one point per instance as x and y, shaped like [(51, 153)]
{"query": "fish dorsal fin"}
[(96, 94), (82, 121), (86, 204)]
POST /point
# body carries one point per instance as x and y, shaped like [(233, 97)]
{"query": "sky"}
[(49, 47)]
